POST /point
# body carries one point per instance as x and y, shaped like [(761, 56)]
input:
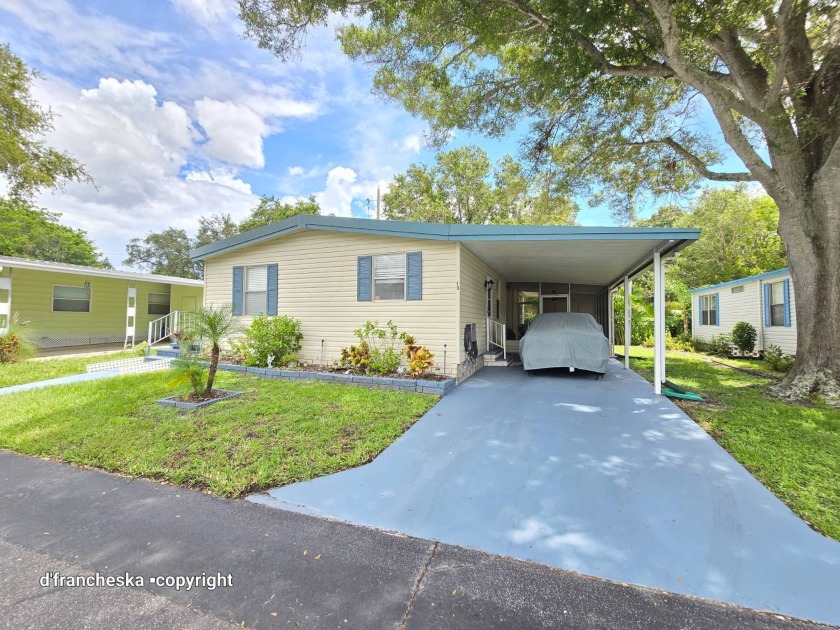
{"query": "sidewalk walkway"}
[(61, 380), (290, 570)]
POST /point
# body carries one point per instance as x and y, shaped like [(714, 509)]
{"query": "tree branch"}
[(748, 76), (650, 69), (696, 162)]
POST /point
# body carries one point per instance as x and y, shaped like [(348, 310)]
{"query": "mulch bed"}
[(192, 398), (332, 369)]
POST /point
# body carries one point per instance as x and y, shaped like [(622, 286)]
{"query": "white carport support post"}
[(658, 322), (6, 305), (628, 322), (611, 319)]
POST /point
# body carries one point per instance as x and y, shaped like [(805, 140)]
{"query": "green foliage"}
[(463, 187), (419, 357), (641, 319), (30, 232), (188, 370), (377, 352), (139, 350), (270, 210), (679, 343), (17, 344), (777, 359), (166, 253), (214, 228), (272, 336), (212, 325), (720, 345), (744, 336), (28, 163)]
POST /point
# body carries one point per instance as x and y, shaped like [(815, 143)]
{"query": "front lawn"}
[(43, 369), (277, 433), (794, 450)]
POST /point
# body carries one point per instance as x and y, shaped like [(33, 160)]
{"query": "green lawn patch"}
[(41, 370), (792, 449), (278, 432)]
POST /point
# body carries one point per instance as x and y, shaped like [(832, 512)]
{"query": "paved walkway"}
[(61, 380), (290, 570), (598, 477)]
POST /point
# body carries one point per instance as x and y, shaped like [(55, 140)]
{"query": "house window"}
[(709, 310), (158, 304), (256, 289), (71, 299), (777, 304), (389, 277)]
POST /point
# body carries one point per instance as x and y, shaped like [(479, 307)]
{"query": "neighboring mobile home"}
[(333, 274), (766, 301), (74, 305)]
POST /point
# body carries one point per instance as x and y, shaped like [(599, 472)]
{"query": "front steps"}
[(495, 358)]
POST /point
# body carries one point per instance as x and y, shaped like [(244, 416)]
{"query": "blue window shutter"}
[(238, 289), (717, 309), (699, 310), (767, 319), (414, 276), (364, 273), (786, 291), (271, 290)]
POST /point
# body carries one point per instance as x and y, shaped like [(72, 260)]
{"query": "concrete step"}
[(170, 353), (499, 362), (492, 355)]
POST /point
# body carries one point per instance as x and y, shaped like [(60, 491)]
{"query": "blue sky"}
[(176, 115)]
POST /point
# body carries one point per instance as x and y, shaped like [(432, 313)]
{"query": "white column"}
[(662, 318), (6, 306), (611, 319), (628, 323), (658, 322)]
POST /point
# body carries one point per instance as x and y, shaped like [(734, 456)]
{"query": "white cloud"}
[(296, 171), (222, 178), (338, 193), (206, 11), (234, 132), (412, 143)]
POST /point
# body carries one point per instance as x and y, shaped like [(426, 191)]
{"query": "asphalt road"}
[(288, 569)]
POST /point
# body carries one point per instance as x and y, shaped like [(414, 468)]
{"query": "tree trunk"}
[(214, 365), (810, 228)]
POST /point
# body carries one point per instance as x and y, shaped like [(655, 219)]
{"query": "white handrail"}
[(496, 335), (163, 327)]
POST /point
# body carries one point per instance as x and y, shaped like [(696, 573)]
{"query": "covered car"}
[(572, 340)]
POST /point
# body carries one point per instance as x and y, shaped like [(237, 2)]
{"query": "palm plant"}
[(212, 324)]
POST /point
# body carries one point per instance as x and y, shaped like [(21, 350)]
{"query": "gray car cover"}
[(565, 340)]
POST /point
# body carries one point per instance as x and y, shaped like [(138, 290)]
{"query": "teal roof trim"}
[(438, 231), (735, 283)]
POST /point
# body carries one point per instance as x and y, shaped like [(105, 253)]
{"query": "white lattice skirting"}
[(86, 340), (130, 366)]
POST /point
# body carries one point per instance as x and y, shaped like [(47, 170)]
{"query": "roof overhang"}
[(576, 254), (82, 270)]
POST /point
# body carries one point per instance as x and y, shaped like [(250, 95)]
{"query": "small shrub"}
[(187, 370), (139, 350), (647, 341), (271, 335), (744, 336), (777, 359), (17, 344), (677, 343), (419, 357), (377, 352), (700, 345), (720, 345)]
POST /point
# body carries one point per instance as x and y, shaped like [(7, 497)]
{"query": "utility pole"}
[(378, 202)]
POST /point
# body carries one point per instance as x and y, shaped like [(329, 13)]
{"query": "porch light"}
[(488, 284)]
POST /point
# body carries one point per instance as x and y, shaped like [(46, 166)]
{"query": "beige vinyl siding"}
[(472, 296), (317, 273), (782, 336), (105, 323)]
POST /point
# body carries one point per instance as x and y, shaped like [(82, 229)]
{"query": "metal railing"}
[(163, 327), (496, 333)]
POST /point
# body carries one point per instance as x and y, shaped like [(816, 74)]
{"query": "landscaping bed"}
[(793, 449), (426, 383), (277, 432)]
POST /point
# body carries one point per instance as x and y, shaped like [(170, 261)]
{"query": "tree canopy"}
[(464, 187), (166, 253), (271, 209), (29, 232), (25, 159)]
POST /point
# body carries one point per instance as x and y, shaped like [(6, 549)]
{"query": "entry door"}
[(188, 303), (554, 304)]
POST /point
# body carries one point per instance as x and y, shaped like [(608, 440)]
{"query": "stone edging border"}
[(181, 404), (441, 388)]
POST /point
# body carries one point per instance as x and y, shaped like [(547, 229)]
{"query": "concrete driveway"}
[(598, 477)]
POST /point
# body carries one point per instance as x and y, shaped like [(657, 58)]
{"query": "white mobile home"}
[(766, 301)]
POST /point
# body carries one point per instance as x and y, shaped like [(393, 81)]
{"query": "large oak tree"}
[(613, 90)]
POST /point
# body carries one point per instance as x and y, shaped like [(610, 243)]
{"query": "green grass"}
[(40, 370), (794, 450), (277, 433)]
